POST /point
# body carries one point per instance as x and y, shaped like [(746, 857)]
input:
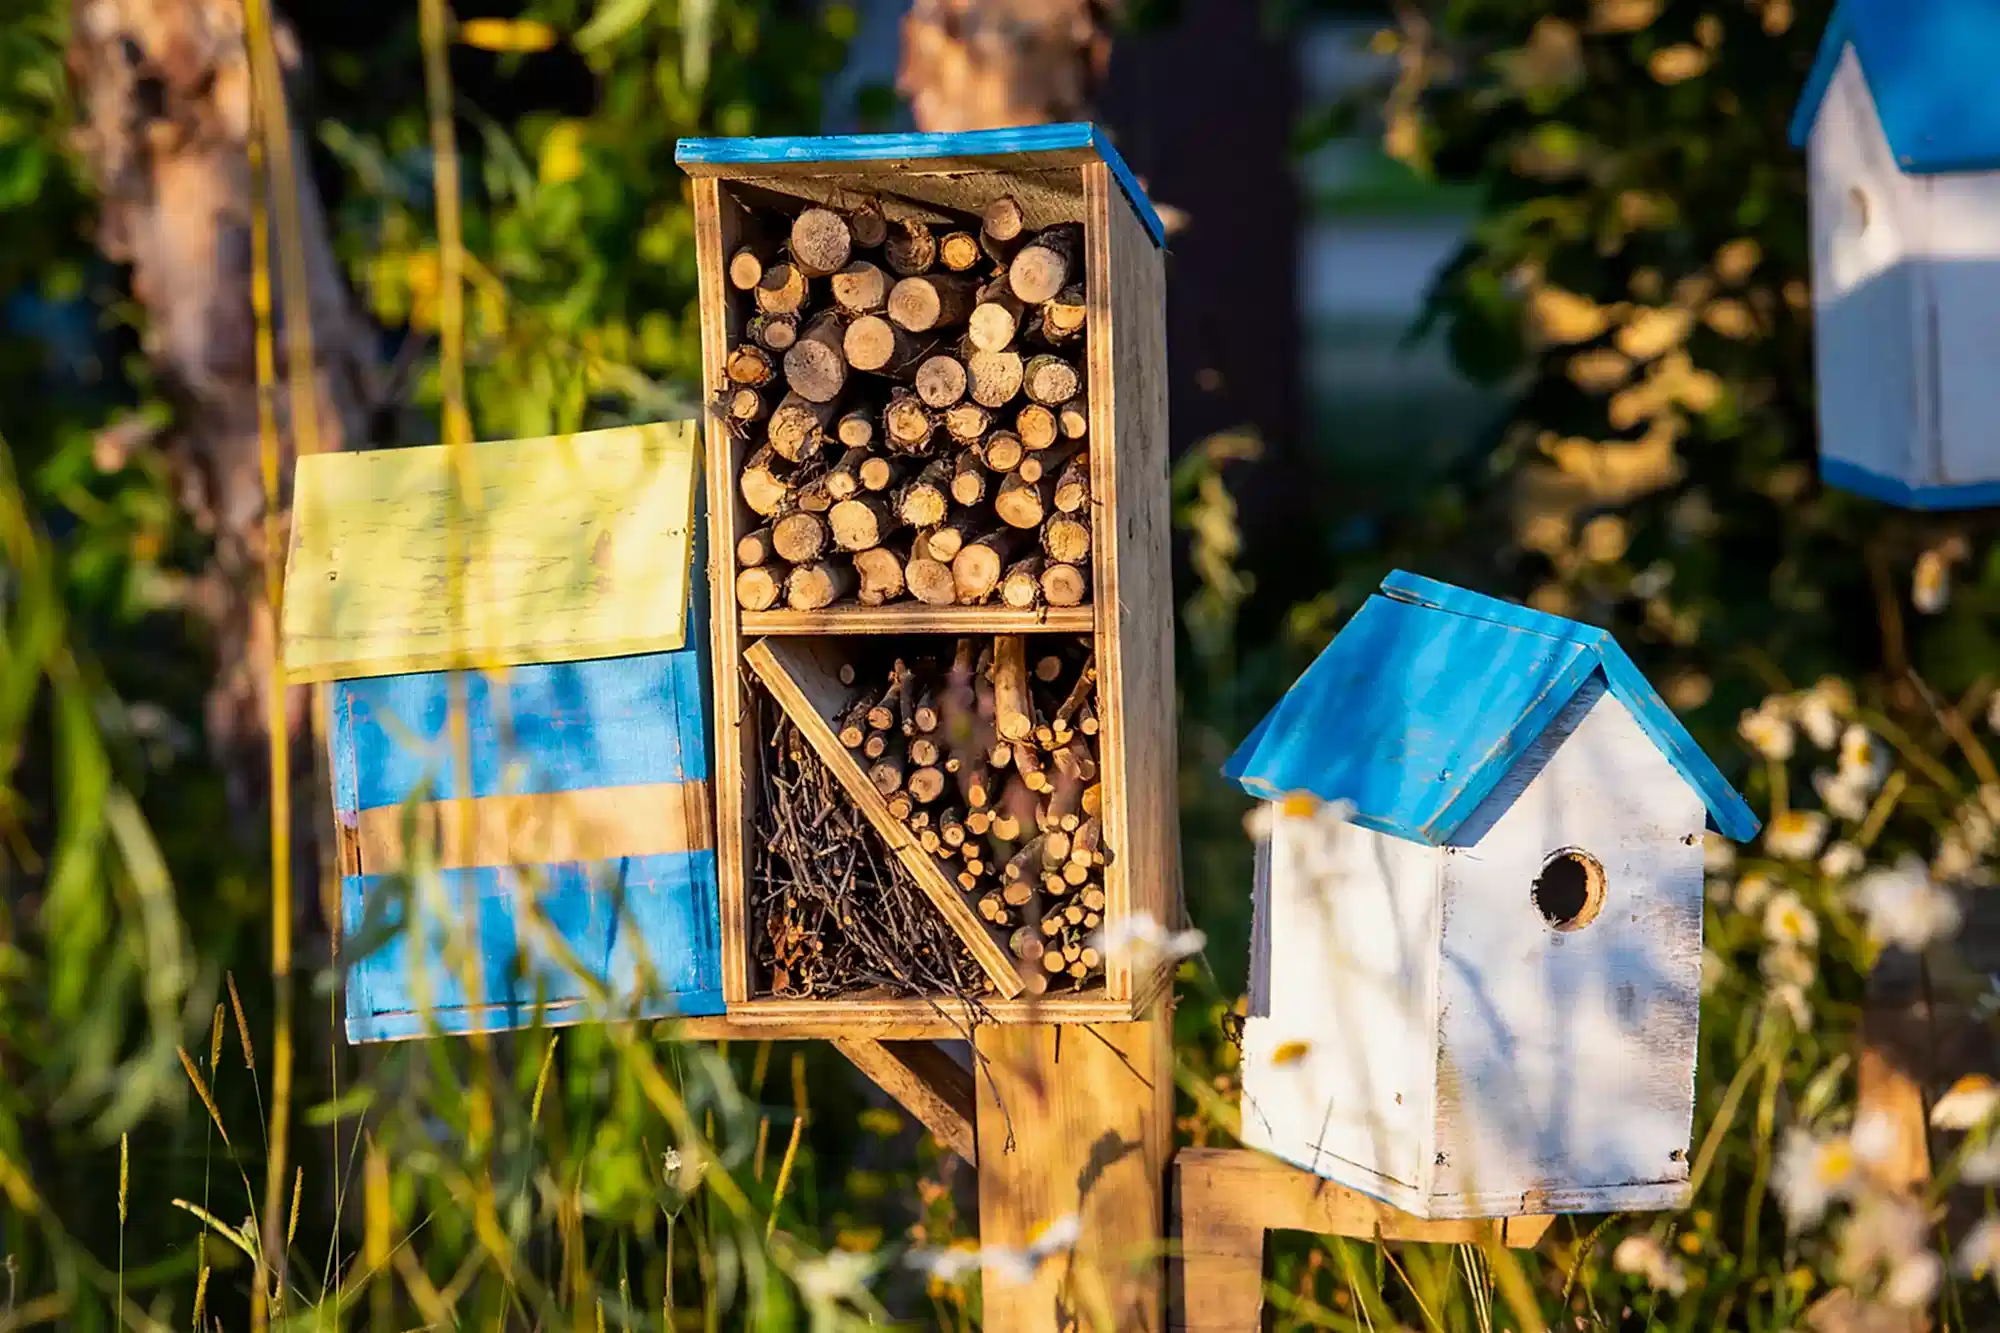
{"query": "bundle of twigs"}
[(831, 910)]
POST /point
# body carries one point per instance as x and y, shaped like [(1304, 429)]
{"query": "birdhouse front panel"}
[(1570, 980), (1478, 935), (1902, 144), (525, 837)]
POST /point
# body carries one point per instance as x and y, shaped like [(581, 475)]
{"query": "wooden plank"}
[(888, 1017), (802, 677), (573, 547), (919, 619), (1077, 1121), (718, 226), (594, 824), (929, 1084), (1126, 296), (1226, 1199)]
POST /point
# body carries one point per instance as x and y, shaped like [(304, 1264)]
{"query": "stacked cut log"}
[(990, 757), (912, 402)]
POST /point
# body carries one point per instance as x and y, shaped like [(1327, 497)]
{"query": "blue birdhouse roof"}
[(1428, 697), (1929, 65)]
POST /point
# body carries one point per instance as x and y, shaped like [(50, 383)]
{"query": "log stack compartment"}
[(748, 194)]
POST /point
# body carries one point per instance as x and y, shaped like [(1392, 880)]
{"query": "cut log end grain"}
[(796, 426), (750, 365), (1036, 425), (930, 581), (1021, 503), (945, 541), (909, 249), (879, 474), (1002, 227), (868, 226), (748, 405), (821, 242), (940, 381), (976, 569), (856, 430), (925, 501), (754, 548), (758, 588), (1066, 539), (995, 376), (1063, 317), (799, 537), (959, 251), (1072, 491), (1049, 380), (812, 493), (1021, 586), (818, 585), (873, 344), (862, 521), (1064, 585), (926, 785), (966, 422), (1073, 418), (1003, 451), (746, 270), (775, 332), (932, 301), (880, 573), (1046, 264), (766, 481), (1048, 463), (908, 423), (968, 480), (782, 290), (845, 479), (861, 288), (996, 319), (816, 365)]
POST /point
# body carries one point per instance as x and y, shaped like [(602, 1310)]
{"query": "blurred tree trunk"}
[(163, 90), (986, 64)]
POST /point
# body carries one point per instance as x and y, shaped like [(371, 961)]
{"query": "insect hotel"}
[(1476, 993), (568, 819), (1902, 143), (942, 626)]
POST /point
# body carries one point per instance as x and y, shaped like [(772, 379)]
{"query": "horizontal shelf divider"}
[(905, 618)]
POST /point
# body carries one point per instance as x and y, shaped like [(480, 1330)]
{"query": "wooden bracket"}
[(1227, 1198), (801, 676), (931, 1086)]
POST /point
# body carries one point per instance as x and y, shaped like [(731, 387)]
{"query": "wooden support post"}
[(929, 1084), (1076, 1120), (1227, 1198)]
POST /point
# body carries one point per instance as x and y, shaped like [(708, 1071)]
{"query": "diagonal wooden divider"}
[(1227, 1198), (802, 675)]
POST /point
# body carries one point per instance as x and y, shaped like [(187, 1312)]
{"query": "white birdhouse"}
[(1902, 136), (1476, 964)]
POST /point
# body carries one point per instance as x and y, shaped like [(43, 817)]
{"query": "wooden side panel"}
[(1077, 1122), (573, 546), (1339, 1057), (718, 223), (929, 1084), (1959, 281), (1873, 392), (1132, 572), (1567, 1057), (801, 677)]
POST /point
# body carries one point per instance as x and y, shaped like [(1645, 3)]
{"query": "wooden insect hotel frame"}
[(1054, 180)]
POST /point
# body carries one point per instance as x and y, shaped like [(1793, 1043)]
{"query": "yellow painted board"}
[(570, 547)]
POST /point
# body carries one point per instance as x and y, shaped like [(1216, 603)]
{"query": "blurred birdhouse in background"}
[(541, 592), (1476, 960), (1901, 129)]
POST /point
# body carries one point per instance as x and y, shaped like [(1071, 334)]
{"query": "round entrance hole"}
[(1569, 892)]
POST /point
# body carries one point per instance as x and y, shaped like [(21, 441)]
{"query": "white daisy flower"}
[(1841, 798), (1752, 891), (1873, 1136), (1645, 1257), (1954, 859), (1981, 1166), (1787, 920), (1967, 1104), (1914, 1281), (1767, 730), (1979, 1252), (1864, 760), (1785, 965), (1904, 907), (1718, 854), (1792, 999), (826, 1280), (1795, 835), (1817, 718), (1841, 860), (1812, 1171), (1930, 585), (1145, 942)]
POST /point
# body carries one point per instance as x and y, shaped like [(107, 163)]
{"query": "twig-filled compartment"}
[(910, 403), (936, 368)]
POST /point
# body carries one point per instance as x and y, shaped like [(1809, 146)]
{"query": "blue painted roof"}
[(1428, 696), (969, 149), (1929, 65)]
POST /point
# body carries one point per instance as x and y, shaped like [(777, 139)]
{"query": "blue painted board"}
[(657, 913), (1843, 475), (1929, 65), (1429, 695), (1016, 147)]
